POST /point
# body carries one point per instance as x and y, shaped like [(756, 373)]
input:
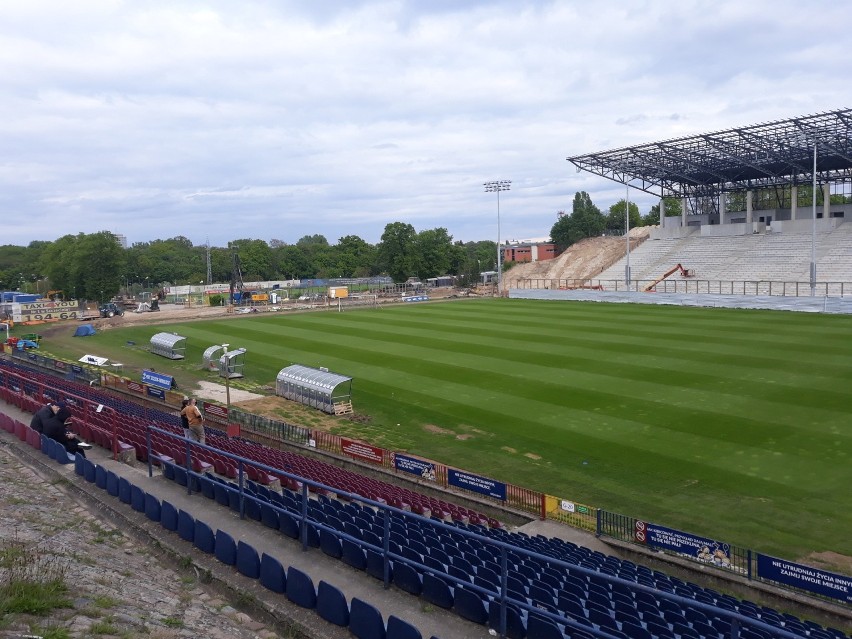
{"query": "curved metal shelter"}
[(231, 364), (315, 387), (210, 358), (169, 345), (773, 154)]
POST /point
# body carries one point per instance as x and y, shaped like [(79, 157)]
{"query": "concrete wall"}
[(805, 226), (671, 231)]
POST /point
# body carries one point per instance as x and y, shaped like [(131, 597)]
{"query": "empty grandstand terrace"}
[(759, 264), (454, 559)]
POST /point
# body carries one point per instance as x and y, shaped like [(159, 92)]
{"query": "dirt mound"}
[(581, 261)]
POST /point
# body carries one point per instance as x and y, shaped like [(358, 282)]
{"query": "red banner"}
[(360, 450), (135, 387), (215, 412)]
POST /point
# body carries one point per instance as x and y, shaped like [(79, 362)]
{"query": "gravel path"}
[(118, 586)]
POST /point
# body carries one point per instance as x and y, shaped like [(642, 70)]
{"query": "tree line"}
[(94, 266)]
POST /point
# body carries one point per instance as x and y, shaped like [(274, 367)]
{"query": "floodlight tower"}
[(495, 187)]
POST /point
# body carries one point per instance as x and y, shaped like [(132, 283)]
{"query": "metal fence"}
[(693, 286)]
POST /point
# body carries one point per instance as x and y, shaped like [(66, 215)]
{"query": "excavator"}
[(684, 272)]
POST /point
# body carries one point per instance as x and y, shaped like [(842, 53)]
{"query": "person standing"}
[(196, 421), (184, 420)]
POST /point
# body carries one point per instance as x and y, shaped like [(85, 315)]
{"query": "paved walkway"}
[(147, 580)]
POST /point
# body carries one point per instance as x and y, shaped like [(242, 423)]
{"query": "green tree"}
[(100, 265), (354, 257), (434, 250), (396, 251), (255, 259), (615, 219), (652, 218), (586, 220)]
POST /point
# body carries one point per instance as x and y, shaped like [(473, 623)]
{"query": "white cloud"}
[(279, 119)]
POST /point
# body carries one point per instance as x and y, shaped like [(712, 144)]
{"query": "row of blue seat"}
[(599, 609), (363, 620)]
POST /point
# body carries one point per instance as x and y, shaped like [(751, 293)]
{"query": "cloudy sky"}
[(277, 119)]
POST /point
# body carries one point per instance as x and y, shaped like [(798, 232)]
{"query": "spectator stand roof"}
[(314, 387), (758, 156)]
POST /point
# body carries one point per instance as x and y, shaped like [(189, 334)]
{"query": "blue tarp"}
[(84, 330)]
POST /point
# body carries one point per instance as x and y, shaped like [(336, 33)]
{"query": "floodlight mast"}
[(496, 186), (813, 226)]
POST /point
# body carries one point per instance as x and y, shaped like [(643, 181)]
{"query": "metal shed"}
[(169, 345), (210, 358), (315, 387), (231, 363)]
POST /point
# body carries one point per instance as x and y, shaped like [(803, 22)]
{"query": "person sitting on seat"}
[(56, 427), (42, 415)]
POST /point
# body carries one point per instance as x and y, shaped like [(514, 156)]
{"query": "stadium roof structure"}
[(758, 156)]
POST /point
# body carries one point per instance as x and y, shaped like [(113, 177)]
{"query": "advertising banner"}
[(136, 387), (419, 467), (477, 484), (44, 311), (359, 450), (160, 380), (416, 298), (704, 550), (159, 393), (821, 582)]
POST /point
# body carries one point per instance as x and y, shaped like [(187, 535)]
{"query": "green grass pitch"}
[(732, 424)]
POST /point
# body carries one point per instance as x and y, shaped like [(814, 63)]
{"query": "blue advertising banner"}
[(159, 380), (415, 466), (821, 582), (477, 484), (705, 550), (416, 298), (156, 392)]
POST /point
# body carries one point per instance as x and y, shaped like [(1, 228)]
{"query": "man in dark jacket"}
[(42, 415), (55, 428)]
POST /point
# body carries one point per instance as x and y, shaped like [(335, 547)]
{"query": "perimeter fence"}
[(691, 286)]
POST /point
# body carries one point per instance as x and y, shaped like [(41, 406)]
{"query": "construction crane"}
[(652, 287), (236, 278)]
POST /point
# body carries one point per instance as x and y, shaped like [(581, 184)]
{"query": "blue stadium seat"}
[(354, 555), (137, 495), (407, 578), (288, 525), (399, 629), (123, 490), (330, 544), (539, 627), (300, 589), (100, 477), (226, 548), (186, 526), (153, 510), (272, 575), (365, 621), (220, 492), (515, 628), (436, 591), (112, 483), (331, 605), (204, 539), (470, 605), (376, 566), (269, 516), (168, 516), (248, 561)]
